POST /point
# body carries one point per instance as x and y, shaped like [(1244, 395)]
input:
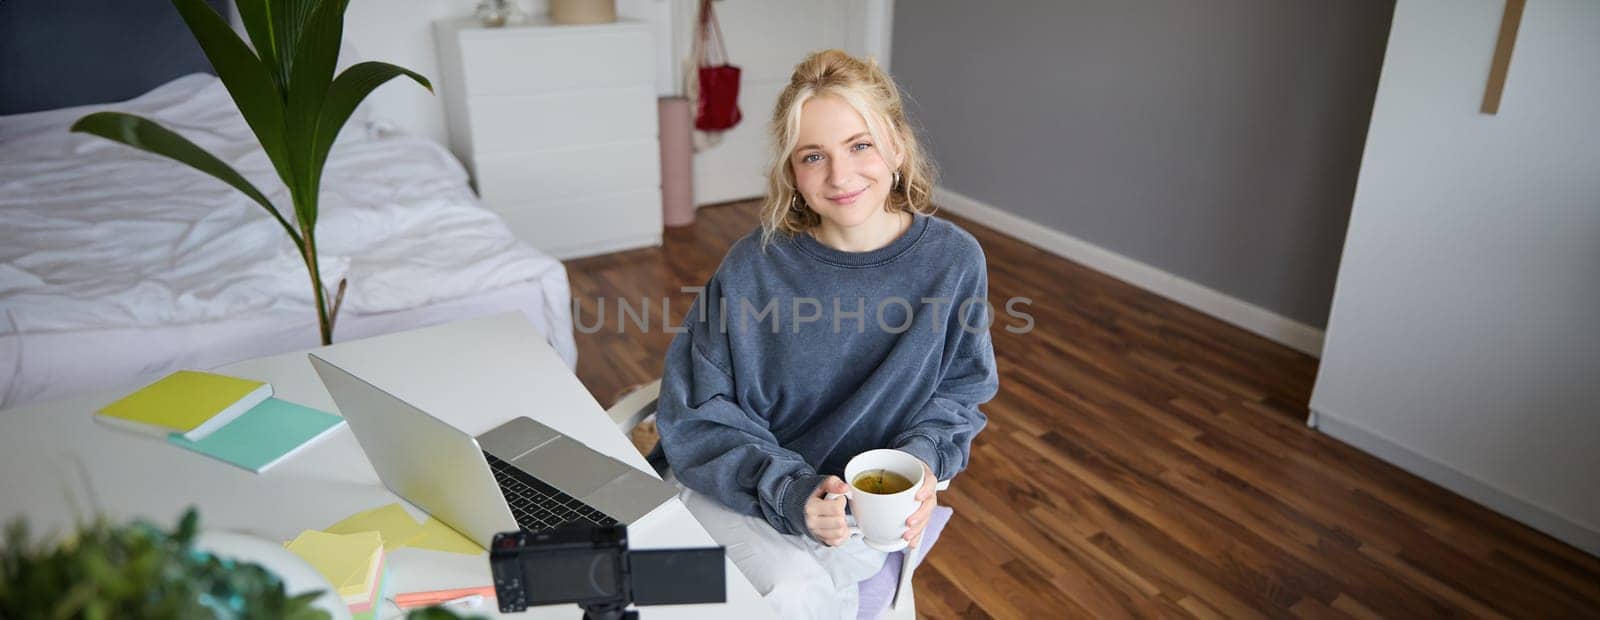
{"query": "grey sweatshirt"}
[(797, 357)]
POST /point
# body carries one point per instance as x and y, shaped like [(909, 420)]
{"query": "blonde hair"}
[(866, 88)]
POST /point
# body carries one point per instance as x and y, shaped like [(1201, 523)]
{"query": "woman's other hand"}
[(825, 517), (928, 495)]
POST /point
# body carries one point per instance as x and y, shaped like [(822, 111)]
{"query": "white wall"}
[(401, 32), (766, 37), (1463, 343)]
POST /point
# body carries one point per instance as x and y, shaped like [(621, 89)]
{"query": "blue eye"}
[(811, 158), (865, 145)]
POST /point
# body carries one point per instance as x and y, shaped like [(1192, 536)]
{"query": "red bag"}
[(717, 100)]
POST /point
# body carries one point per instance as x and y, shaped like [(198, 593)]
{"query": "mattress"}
[(118, 265)]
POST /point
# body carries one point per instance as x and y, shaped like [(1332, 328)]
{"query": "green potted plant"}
[(141, 571), (137, 571), (287, 92)]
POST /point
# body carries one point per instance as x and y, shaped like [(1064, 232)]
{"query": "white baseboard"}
[(1555, 525), (1291, 333)]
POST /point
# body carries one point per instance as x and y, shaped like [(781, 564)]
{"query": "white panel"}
[(602, 223), (566, 174), (523, 123), (451, 92), (658, 14), (878, 22), (512, 63), (1463, 323)]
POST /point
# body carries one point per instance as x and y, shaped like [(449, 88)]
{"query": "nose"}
[(838, 172)]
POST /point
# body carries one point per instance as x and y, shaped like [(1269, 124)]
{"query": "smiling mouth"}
[(849, 196)]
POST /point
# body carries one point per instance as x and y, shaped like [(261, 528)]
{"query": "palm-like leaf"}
[(288, 95), (145, 135), (348, 91), (246, 78), (274, 29), (315, 52)]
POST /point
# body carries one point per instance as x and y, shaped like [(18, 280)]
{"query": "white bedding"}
[(97, 237)]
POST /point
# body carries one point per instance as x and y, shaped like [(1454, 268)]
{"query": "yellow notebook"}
[(350, 562), (189, 403)]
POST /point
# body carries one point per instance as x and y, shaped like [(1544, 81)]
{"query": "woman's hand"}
[(825, 517), (918, 521)]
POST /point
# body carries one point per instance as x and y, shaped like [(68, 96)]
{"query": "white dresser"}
[(557, 125)]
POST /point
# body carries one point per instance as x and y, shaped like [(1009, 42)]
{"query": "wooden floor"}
[(1143, 459)]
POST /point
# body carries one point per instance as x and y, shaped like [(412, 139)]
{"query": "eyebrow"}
[(846, 141)]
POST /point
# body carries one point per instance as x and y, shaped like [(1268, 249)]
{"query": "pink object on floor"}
[(877, 591)]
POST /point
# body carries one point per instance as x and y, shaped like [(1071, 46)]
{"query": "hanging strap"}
[(710, 30), (698, 58)]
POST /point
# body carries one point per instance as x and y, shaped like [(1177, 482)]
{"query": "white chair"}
[(638, 405)]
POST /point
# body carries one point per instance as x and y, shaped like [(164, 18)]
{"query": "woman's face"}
[(840, 172)]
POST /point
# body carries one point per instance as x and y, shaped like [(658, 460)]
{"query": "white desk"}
[(475, 374)]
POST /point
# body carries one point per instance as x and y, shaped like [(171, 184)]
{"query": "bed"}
[(117, 265)]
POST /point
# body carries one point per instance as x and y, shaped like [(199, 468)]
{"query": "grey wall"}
[(1218, 140)]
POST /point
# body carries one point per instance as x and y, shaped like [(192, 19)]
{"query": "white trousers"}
[(798, 576)]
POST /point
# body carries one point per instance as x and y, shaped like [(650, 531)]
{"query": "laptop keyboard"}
[(539, 506)]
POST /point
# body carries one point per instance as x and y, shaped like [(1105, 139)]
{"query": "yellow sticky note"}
[(434, 534), (392, 522), (344, 559)]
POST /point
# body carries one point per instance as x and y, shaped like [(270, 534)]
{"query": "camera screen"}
[(678, 576), (571, 575)]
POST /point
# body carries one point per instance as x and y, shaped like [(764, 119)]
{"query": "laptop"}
[(522, 474)]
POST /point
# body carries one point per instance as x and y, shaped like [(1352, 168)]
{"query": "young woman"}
[(850, 320)]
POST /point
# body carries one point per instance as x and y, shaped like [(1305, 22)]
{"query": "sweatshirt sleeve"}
[(940, 432), (718, 446)]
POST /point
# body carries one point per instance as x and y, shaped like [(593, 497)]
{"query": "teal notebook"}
[(263, 436)]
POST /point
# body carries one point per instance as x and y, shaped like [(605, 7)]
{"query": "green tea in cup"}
[(881, 482)]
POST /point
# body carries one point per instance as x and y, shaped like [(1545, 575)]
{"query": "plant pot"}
[(583, 11), (298, 576)]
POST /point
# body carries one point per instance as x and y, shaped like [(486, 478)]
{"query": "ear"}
[(899, 157), (897, 154), (893, 155)]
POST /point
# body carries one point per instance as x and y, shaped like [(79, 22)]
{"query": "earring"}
[(896, 180), (794, 203)]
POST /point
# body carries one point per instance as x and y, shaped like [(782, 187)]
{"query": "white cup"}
[(881, 518)]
